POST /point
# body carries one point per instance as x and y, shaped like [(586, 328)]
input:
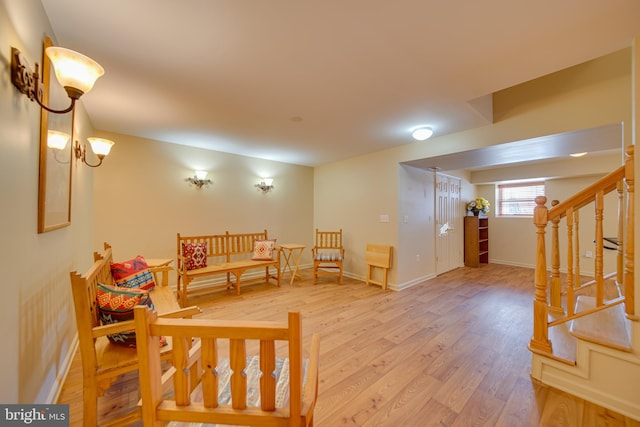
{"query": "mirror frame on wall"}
[(54, 182)]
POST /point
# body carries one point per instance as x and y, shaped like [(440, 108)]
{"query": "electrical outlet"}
[(588, 254)]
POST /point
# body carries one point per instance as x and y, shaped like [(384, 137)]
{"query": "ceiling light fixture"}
[(578, 154), (422, 133), (74, 71), (99, 146)]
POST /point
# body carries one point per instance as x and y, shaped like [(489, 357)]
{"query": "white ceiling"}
[(311, 82)]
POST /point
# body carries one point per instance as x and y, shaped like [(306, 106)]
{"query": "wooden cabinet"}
[(476, 241)]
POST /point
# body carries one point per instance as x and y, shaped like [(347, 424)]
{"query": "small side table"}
[(159, 263), (292, 253)]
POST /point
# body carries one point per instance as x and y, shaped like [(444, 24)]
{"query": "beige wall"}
[(38, 318), (358, 190), (512, 241), (144, 198)]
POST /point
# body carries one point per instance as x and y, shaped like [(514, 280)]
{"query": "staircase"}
[(586, 334)]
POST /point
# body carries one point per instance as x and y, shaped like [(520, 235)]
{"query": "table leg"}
[(296, 263)]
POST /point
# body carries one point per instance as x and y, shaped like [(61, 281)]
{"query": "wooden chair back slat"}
[(210, 375), (267, 380), (181, 376), (238, 364), (328, 239)]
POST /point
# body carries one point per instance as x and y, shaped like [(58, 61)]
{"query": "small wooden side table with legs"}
[(292, 253)]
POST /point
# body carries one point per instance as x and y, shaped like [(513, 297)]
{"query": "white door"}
[(448, 223)]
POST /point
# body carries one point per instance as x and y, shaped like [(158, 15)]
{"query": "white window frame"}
[(525, 201)]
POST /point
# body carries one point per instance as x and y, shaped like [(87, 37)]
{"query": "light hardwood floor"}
[(451, 351)]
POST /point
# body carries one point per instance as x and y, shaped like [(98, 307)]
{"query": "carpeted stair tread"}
[(607, 327)]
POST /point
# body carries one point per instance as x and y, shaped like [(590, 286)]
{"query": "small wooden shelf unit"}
[(476, 241)]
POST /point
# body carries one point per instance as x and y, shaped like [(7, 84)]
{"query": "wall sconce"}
[(265, 184), (57, 140), (74, 71), (100, 147), (200, 179)]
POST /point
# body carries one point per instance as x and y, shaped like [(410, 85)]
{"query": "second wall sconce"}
[(74, 71), (200, 179), (57, 140), (100, 147), (265, 184)]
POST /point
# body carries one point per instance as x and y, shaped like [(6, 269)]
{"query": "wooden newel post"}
[(540, 340), (629, 277)]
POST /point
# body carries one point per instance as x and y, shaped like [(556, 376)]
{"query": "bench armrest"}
[(113, 328), (128, 325), (186, 312)]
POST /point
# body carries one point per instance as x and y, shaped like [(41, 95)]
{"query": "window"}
[(518, 199)]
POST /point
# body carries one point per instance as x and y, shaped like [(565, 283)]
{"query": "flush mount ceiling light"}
[(422, 133), (578, 154), (75, 72)]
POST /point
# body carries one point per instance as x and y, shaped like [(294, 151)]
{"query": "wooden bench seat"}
[(102, 360), (228, 254)]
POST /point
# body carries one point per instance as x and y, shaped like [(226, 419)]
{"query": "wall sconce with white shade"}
[(265, 184), (199, 179), (100, 147), (57, 139), (74, 71)]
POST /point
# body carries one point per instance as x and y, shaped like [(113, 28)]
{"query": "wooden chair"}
[(328, 254), (220, 393), (102, 361)]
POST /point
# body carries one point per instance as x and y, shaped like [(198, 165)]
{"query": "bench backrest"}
[(224, 246), (204, 358), (84, 290)]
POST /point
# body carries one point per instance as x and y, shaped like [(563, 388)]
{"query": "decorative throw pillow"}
[(116, 305), (263, 249), (195, 254), (328, 255), (133, 273)]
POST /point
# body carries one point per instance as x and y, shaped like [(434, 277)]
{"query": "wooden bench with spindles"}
[(102, 360)]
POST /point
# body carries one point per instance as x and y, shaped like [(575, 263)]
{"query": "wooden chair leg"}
[(90, 406)]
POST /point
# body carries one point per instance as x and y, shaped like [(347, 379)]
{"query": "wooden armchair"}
[(328, 254), (226, 390), (103, 361)]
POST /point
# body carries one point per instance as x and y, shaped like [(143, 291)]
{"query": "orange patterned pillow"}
[(263, 249)]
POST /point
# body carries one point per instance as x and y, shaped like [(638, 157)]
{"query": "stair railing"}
[(549, 295)]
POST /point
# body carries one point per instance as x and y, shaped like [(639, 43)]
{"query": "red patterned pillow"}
[(116, 305), (263, 249), (133, 273), (195, 254)]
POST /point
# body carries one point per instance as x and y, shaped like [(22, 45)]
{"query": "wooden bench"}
[(102, 360), (255, 385), (228, 254)]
